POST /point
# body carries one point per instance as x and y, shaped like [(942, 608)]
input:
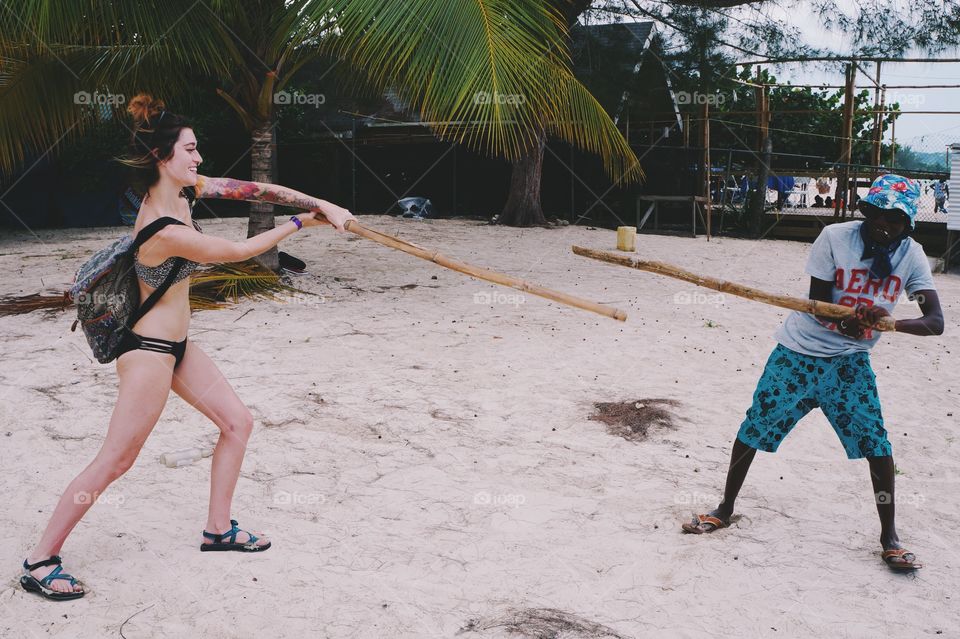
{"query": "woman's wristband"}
[(296, 220)]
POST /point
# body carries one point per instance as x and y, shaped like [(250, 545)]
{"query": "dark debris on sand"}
[(632, 420), (540, 623)]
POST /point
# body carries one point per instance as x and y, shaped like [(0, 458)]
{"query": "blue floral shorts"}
[(843, 387)]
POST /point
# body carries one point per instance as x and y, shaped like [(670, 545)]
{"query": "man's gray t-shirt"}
[(835, 256)]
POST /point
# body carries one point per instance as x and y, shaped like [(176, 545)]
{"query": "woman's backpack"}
[(107, 295)]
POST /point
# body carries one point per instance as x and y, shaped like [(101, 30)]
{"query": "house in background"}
[(389, 153), (369, 152), (620, 63)]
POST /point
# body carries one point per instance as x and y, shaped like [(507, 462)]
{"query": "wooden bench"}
[(696, 208)]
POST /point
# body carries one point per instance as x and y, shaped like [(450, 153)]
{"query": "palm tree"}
[(523, 206), (494, 75)]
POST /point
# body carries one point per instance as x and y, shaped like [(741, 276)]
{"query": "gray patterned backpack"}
[(107, 295)]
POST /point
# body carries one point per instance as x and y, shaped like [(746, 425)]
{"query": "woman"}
[(157, 357)]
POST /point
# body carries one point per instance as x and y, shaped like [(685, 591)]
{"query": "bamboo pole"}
[(878, 96), (841, 197), (433, 256), (707, 168), (814, 307), (893, 142), (481, 273)]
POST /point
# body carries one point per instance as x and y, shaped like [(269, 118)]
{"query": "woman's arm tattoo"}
[(231, 189)]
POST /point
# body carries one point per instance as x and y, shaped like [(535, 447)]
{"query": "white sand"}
[(423, 461)]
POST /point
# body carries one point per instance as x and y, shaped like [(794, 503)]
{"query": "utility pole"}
[(759, 200), (840, 203), (763, 112), (878, 98), (764, 151), (893, 141), (705, 140)]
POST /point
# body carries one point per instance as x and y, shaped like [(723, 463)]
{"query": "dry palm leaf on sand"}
[(633, 420), (49, 302), (223, 285), (213, 287)]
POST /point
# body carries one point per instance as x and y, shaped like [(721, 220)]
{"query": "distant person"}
[(817, 201), (941, 191), (828, 202), (783, 185)]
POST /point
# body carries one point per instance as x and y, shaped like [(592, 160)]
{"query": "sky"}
[(921, 132)]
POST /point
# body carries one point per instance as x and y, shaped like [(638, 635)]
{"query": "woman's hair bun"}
[(144, 107), (153, 138)]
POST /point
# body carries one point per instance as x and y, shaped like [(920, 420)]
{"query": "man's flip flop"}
[(890, 556), (218, 543), (704, 520), (42, 586)]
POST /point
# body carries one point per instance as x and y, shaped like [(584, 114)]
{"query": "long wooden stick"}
[(230, 189), (814, 307), (481, 273)]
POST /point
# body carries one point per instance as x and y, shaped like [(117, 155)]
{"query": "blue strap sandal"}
[(228, 541), (42, 586)]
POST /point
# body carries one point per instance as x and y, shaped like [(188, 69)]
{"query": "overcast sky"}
[(922, 132)]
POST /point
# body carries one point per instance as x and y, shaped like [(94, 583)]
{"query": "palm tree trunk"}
[(759, 197), (261, 170), (523, 204)]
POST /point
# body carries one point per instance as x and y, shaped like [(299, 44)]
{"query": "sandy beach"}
[(425, 465)]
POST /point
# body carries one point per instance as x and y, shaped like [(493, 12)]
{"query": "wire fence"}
[(807, 183)]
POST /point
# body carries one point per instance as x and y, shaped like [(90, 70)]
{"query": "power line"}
[(843, 59)]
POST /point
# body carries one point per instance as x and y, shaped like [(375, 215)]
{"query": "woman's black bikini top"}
[(155, 275)]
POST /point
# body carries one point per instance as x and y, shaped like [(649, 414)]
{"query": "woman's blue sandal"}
[(218, 542), (42, 586)]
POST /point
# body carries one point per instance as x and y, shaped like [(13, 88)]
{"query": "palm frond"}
[(53, 53), (215, 287), (223, 285), (22, 304), (491, 74), (578, 121)]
